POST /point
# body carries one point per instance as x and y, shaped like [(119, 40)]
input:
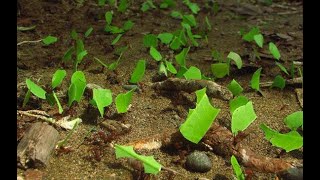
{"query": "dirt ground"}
[(153, 112)]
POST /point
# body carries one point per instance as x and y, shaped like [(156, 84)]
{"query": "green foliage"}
[(237, 169), (199, 120), (128, 25), (250, 35), (274, 50), (101, 2), (237, 102), (167, 3), (170, 67), (26, 98), (113, 29), (77, 87), (58, 102), (219, 70), (294, 120), (215, 7), (208, 24), (150, 40), (74, 34), (279, 82), (138, 71), (236, 58), (49, 40), (162, 69), (155, 54), (149, 163), (102, 98), (68, 55), (189, 19), (242, 117), (108, 17), (192, 6), (190, 35), (282, 68), (123, 101), (58, 77), (147, 5), (176, 43), (258, 38), (288, 141), (181, 71), (176, 14), (192, 73), (116, 39), (255, 80), (123, 5), (88, 32), (165, 38), (235, 88), (35, 89), (181, 57)]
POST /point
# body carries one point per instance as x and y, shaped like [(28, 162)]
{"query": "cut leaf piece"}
[(279, 82), (242, 117), (35, 89), (235, 87), (192, 73), (294, 120), (57, 78), (123, 101), (258, 38), (219, 70), (289, 141), (181, 57), (170, 67), (255, 80), (49, 40), (102, 98), (199, 120), (236, 58), (155, 54), (236, 168), (274, 50), (237, 102), (138, 71), (165, 38), (149, 163)]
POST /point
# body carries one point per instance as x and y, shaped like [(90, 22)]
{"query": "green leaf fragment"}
[(176, 14), (58, 103), (199, 120), (189, 19), (219, 70), (128, 25), (242, 117), (294, 120), (279, 82), (237, 169), (235, 87), (116, 39), (250, 35), (192, 73), (49, 40), (170, 67), (274, 50), (57, 78), (102, 98), (123, 101), (258, 38), (282, 68), (138, 71), (288, 141), (150, 40), (77, 87), (149, 163), (35, 89), (88, 32), (155, 54), (181, 57), (237, 102), (165, 38), (255, 80), (123, 5), (236, 58)]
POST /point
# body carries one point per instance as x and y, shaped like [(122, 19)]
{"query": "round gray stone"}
[(198, 162)]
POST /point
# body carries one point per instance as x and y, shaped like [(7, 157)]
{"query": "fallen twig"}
[(37, 114), (293, 82), (213, 89), (222, 142), (23, 42)]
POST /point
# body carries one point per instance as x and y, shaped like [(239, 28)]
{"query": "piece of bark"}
[(299, 92), (35, 147), (214, 90)]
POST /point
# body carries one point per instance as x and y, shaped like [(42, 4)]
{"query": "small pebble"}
[(198, 162)]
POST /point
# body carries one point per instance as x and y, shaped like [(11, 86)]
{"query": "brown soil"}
[(153, 112)]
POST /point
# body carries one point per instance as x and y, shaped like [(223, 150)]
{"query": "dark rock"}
[(198, 162)]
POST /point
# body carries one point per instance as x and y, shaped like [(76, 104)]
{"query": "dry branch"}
[(222, 142), (214, 90)]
